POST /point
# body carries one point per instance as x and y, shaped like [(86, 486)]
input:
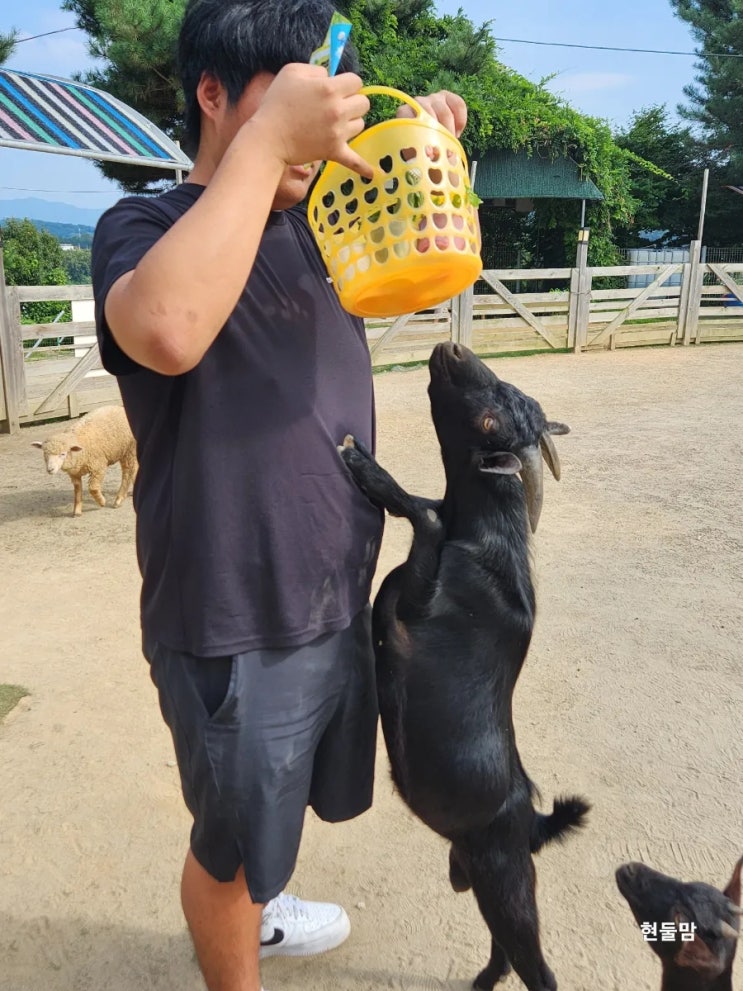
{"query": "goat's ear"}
[(696, 955), (733, 889), (554, 427), (75, 448), (36, 443), (500, 463)]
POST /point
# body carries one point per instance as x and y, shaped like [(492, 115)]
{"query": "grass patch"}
[(645, 320), (10, 696)]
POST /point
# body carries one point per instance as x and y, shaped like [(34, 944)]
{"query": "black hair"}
[(234, 40)]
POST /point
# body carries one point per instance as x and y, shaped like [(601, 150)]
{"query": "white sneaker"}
[(295, 928)]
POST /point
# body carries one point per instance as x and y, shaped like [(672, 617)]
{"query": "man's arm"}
[(166, 312)]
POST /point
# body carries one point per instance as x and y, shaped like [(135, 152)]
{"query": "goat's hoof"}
[(118, 502), (550, 982), (486, 979)]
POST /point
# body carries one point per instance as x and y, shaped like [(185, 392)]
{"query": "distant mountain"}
[(47, 210)]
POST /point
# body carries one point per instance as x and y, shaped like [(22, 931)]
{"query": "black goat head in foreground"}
[(486, 425), (452, 627), (702, 925)]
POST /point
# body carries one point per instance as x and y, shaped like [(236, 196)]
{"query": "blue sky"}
[(605, 84)]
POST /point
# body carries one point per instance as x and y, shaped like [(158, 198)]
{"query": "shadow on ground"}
[(78, 954)]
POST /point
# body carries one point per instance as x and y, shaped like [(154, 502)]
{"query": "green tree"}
[(77, 266), (716, 105), (716, 99), (33, 258), (405, 44), (663, 204), (134, 42), (7, 45), (674, 206)]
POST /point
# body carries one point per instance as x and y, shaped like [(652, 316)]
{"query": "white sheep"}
[(88, 447)]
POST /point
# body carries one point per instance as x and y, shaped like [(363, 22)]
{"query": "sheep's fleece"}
[(88, 447)]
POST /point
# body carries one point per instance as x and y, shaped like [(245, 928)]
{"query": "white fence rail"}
[(521, 311)]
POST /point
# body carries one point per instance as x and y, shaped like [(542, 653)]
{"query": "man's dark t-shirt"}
[(250, 532)]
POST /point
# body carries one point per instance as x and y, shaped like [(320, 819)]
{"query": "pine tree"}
[(716, 101), (7, 45), (401, 43)]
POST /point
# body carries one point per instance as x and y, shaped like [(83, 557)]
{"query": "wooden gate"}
[(511, 320), (620, 317)]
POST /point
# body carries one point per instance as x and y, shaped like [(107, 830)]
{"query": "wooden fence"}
[(577, 309)]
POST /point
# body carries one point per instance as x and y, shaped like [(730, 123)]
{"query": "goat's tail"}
[(568, 815)]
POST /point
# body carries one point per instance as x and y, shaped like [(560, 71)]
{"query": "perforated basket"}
[(407, 239)]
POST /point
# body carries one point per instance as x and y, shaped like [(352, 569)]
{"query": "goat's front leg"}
[(380, 487), (418, 577)]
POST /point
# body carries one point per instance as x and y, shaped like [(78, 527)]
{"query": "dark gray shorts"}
[(261, 735)]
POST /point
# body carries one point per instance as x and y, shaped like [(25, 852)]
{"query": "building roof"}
[(516, 175), (44, 113)]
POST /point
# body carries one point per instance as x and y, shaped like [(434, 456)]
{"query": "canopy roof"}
[(45, 113), (516, 175)]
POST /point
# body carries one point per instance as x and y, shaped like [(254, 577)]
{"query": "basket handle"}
[(397, 94)]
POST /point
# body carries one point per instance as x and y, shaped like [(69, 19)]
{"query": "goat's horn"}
[(727, 930), (549, 452), (735, 909), (532, 479)]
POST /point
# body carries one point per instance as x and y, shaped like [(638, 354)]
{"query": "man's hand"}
[(447, 108), (309, 116)]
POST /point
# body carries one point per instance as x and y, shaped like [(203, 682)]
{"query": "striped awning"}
[(44, 113)]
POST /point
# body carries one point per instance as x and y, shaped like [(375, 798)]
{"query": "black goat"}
[(451, 628), (700, 923)]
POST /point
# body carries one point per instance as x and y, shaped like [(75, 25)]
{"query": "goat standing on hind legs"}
[(451, 629)]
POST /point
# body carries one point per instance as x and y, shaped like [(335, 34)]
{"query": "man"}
[(240, 373)]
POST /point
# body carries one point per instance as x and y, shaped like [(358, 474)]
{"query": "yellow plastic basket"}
[(408, 239)]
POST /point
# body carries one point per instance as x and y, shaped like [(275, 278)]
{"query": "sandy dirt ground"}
[(631, 694)]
